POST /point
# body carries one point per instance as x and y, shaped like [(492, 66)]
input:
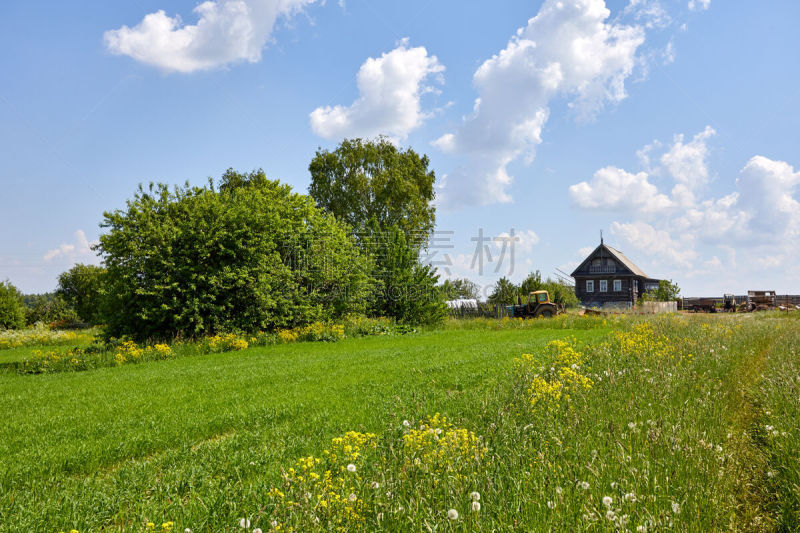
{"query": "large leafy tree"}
[(385, 196), (81, 287), (372, 185), (12, 307), (252, 255)]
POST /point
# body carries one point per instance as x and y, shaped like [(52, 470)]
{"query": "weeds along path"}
[(765, 408), (747, 469)]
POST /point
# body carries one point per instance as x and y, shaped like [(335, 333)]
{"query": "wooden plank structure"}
[(608, 279)]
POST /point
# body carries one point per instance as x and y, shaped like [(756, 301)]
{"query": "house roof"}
[(616, 254)]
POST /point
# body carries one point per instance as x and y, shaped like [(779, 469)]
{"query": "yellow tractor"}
[(539, 305)]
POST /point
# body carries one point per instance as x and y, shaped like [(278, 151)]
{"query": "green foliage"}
[(668, 291), (385, 195), (561, 294), (408, 290), (504, 293), (456, 289), (12, 307), (368, 183), (81, 287), (533, 282), (49, 308), (194, 261)]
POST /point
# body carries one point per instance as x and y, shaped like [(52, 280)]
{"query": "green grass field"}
[(678, 434)]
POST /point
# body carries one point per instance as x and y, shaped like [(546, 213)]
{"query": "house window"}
[(617, 285), (589, 285), (603, 285)]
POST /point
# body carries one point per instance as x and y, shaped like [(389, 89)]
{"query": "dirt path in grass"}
[(748, 467)]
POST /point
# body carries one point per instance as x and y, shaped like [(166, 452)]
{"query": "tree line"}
[(247, 253)]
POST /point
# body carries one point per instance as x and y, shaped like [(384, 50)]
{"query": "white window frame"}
[(603, 285), (589, 285), (617, 285)]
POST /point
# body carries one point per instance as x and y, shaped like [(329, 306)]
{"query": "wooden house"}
[(606, 278)]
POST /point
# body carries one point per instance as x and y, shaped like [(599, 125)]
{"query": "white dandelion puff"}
[(676, 508), (476, 506), (475, 496), (244, 523), (351, 467), (607, 501), (629, 497), (610, 514), (406, 423), (559, 490), (375, 485), (551, 505), (452, 514), (353, 497), (584, 485), (257, 530)]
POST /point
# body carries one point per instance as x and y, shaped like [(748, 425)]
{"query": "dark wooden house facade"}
[(607, 278)]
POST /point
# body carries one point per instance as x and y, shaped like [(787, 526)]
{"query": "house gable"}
[(605, 260)]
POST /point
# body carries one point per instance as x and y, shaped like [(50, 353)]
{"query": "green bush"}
[(81, 287), (251, 256), (12, 307), (49, 308)]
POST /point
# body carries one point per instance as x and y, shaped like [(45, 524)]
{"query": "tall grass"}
[(671, 423)]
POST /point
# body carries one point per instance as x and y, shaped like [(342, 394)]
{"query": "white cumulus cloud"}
[(80, 248), (569, 48), (688, 165), (756, 225), (656, 242), (390, 90), (614, 189), (226, 31)]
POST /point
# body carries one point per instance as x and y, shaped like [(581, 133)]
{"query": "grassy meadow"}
[(683, 423)]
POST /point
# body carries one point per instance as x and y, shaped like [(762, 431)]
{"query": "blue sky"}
[(670, 125)]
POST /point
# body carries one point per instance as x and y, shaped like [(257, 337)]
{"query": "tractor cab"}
[(538, 297)]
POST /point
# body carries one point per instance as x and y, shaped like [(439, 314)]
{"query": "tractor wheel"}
[(546, 313)]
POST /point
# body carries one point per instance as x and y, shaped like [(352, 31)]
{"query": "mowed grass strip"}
[(198, 437)]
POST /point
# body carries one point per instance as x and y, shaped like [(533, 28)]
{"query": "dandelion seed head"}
[(475, 496), (244, 523), (353, 497), (551, 505), (351, 467), (584, 485), (607, 501), (676, 508), (452, 514), (611, 515), (476, 506), (406, 423), (375, 485)]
